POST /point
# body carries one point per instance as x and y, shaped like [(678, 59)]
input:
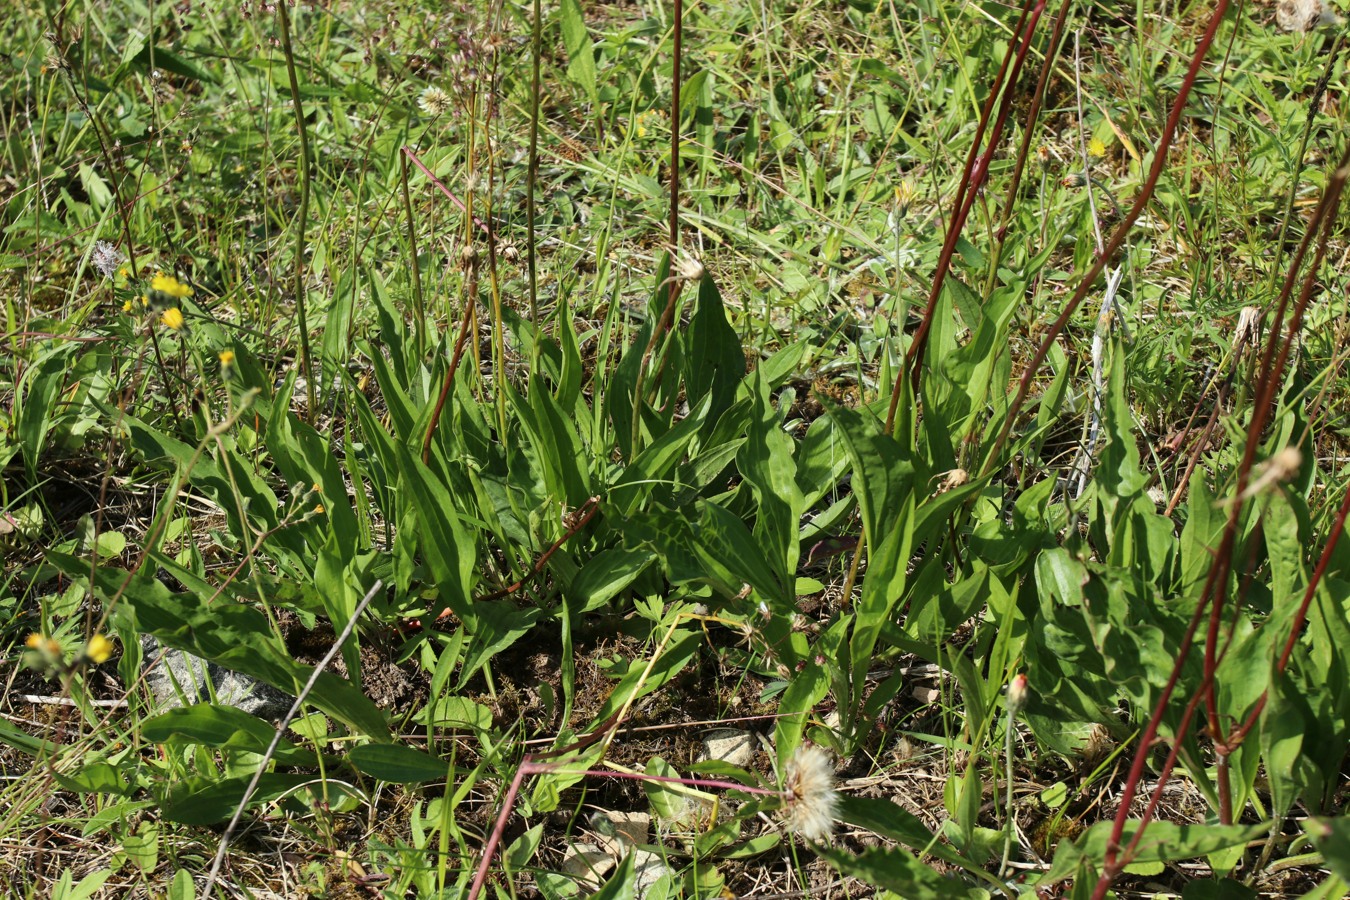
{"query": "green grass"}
[(601, 524)]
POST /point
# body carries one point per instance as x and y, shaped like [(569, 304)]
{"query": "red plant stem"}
[(449, 378), (1034, 113), (1272, 372), (1331, 200), (972, 178), (677, 24), (1296, 626), (408, 151), (1117, 237), (1112, 863), (508, 804)]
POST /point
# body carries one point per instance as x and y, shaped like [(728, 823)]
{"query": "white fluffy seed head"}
[(435, 101), (809, 798)]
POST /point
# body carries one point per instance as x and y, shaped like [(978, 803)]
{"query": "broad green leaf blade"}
[(201, 800), (223, 728), (580, 50), (450, 548), (399, 764), (897, 870), (1332, 838)]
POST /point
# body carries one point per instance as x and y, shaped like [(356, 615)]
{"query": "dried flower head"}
[(688, 267), (904, 195), (106, 258), (435, 101), (809, 798)]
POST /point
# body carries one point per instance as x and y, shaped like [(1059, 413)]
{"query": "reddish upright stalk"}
[(1117, 237), (972, 179)]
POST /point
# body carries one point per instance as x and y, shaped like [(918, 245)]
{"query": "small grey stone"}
[(649, 869), (730, 745), (176, 678), (587, 863)]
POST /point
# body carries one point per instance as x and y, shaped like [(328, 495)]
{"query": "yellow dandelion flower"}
[(172, 318), (34, 641), (1096, 148), (99, 649), (167, 284), (318, 510), (126, 306), (145, 299), (226, 358)]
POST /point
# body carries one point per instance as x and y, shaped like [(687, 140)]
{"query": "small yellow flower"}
[(167, 284), (99, 649), (904, 194), (145, 300), (172, 318), (124, 273), (34, 641), (318, 510), (226, 358), (126, 306), (1096, 148)]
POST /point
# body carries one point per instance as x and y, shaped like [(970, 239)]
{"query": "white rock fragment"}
[(733, 746), (588, 864), (1305, 15), (630, 829), (649, 868)]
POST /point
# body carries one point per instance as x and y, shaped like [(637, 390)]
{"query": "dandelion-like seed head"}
[(809, 797), (689, 268), (172, 318), (435, 101), (106, 258)]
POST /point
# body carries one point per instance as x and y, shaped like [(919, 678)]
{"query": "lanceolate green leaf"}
[(580, 49), (898, 870), (883, 481), (202, 800), (222, 728), (450, 548), (399, 764)]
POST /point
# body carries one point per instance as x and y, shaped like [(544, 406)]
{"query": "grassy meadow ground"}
[(976, 452)]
